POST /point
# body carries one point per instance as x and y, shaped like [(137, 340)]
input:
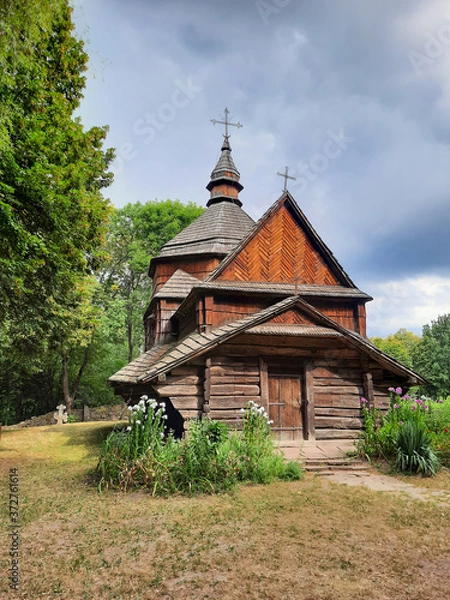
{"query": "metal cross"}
[(226, 123), (286, 177)]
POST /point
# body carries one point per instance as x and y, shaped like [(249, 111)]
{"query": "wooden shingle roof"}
[(177, 286), (217, 231)]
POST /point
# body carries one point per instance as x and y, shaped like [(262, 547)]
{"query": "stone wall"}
[(108, 412)]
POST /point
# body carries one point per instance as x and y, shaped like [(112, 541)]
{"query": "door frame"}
[(302, 369)]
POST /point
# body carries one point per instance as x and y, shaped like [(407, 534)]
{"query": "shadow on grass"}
[(90, 437)]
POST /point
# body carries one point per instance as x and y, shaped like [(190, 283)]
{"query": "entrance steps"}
[(325, 457)]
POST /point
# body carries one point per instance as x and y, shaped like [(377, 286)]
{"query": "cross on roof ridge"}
[(286, 177), (227, 123)]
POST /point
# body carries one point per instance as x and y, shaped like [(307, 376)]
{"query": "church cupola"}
[(224, 185)]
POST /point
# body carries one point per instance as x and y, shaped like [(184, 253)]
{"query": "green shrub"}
[(208, 460), (414, 452)]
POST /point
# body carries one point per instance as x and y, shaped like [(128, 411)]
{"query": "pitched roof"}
[(164, 358), (320, 247), (217, 231), (177, 286)]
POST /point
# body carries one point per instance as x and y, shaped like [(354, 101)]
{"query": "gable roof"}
[(164, 358), (217, 231), (294, 242)]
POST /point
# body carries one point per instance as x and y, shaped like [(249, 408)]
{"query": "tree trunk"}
[(130, 335), (69, 395)]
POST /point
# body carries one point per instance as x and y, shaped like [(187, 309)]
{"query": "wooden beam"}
[(207, 388), (368, 388), (264, 383), (309, 401)]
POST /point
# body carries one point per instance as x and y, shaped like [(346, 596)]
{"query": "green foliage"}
[(414, 453), (137, 233), (399, 345), (431, 357), (413, 434), (208, 460)]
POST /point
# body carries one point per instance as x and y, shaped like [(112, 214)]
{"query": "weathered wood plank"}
[(235, 379), (227, 361), (186, 402), (338, 423), (234, 390), (335, 401), (310, 401), (178, 390), (338, 412), (337, 373), (339, 390), (231, 401), (223, 371), (336, 382)]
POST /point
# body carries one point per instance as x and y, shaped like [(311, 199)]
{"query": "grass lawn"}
[(310, 540)]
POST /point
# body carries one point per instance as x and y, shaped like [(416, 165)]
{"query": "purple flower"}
[(398, 391), (391, 389), (363, 400), (413, 407), (396, 405)]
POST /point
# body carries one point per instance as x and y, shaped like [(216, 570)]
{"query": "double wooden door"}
[(286, 408)]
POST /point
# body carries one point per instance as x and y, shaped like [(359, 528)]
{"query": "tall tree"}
[(53, 217), (431, 356), (399, 345), (137, 233)]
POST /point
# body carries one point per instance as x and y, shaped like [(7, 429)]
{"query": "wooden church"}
[(257, 311)]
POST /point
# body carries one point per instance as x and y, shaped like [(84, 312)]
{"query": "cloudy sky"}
[(353, 95)]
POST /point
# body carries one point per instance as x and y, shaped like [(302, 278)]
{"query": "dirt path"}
[(384, 483)]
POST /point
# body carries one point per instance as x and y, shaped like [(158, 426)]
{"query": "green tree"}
[(53, 217), (137, 233), (399, 345), (431, 357)]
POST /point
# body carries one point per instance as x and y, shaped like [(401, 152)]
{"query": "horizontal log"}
[(226, 361), (320, 382), (187, 402), (234, 390), (225, 414), (337, 412), (178, 390), (335, 401), (336, 434), (336, 363), (340, 390), (337, 373), (225, 371), (342, 353), (338, 423), (189, 413), (231, 401), (264, 350), (181, 380), (237, 380)]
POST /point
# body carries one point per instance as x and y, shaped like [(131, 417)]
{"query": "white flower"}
[(130, 407), (129, 428), (242, 410), (164, 417), (138, 422), (162, 404), (270, 422), (144, 398), (161, 435)]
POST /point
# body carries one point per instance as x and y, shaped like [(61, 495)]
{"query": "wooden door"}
[(285, 406)]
